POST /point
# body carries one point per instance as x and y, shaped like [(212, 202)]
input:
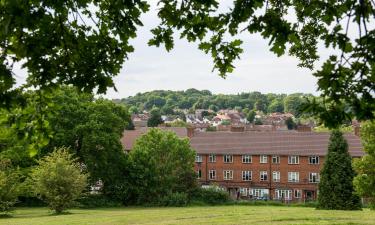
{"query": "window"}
[(199, 174), (276, 159), (212, 174), (263, 159), (297, 193), (262, 193), (243, 191), (246, 159), (246, 175), (313, 159), (263, 175), (293, 176), (228, 174), (276, 176), (283, 194), (212, 158), (198, 158), (313, 177), (293, 159), (228, 158)]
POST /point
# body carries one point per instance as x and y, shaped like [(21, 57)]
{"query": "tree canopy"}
[(160, 164), (86, 42)]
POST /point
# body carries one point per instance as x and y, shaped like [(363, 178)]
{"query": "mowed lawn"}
[(192, 215)]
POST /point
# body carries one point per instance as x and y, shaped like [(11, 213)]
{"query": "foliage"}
[(251, 116), (58, 179), (211, 195), (83, 43), (175, 199), (258, 121), (291, 125), (346, 77), (177, 123), (365, 167), (9, 186), (155, 118), (160, 164), (97, 200), (195, 99), (92, 130), (292, 103), (225, 122), (336, 189)]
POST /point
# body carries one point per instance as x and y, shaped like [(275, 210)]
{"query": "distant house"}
[(140, 120)]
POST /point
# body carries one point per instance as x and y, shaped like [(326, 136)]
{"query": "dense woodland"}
[(191, 99)]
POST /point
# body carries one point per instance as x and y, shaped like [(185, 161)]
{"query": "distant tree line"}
[(192, 99)]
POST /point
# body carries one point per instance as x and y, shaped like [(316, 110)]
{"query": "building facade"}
[(277, 165)]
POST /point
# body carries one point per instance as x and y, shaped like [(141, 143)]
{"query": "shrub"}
[(58, 180), (211, 195), (97, 200), (9, 186), (175, 199)]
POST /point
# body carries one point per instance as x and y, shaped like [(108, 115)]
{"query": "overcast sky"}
[(184, 67), (151, 68)]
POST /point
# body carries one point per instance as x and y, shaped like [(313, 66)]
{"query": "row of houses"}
[(279, 165), (228, 116)]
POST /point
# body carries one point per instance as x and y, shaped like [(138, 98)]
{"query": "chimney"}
[(190, 131)]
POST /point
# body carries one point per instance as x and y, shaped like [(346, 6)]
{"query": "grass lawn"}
[(191, 215)]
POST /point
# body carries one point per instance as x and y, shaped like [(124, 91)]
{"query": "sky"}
[(152, 68)]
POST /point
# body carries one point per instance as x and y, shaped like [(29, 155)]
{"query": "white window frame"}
[(211, 158), (279, 193), (297, 193), (247, 159), (276, 176), (293, 159), (226, 157), (243, 191), (311, 177), (198, 158), (277, 157), (314, 160), (228, 174), (199, 174), (259, 192), (263, 174), (263, 158), (293, 177), (247, 175), (212, 174)]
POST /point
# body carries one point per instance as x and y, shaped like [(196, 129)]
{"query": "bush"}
[(58, 180), (175, 199), (211, 195), (9, 186), (97, 200)]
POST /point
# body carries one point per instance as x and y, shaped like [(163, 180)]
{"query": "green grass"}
[(191, 215)]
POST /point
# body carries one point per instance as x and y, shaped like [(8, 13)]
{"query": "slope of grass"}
[(192, 215)]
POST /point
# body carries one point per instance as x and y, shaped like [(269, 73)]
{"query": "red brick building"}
[(282, 165)]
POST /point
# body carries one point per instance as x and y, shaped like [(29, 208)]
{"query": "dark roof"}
[(277, 142), (254, 142), (129, 136)]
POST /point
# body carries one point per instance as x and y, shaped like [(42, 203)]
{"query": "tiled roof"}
[(278, 143), (254, 142), (129, 136)]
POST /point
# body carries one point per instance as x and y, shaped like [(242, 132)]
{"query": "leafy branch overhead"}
[(86, 42)]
